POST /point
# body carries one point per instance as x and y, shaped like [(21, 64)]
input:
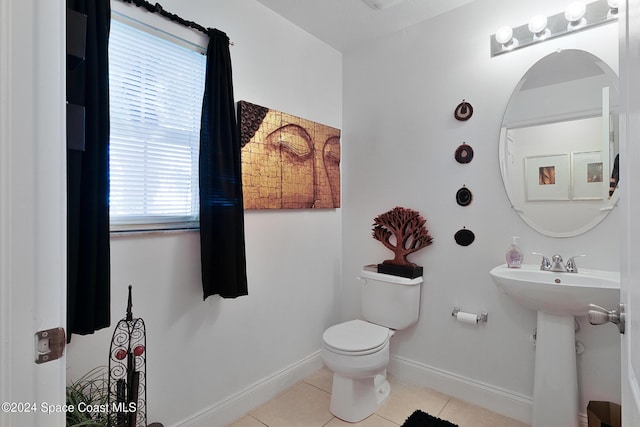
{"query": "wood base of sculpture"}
[(408, 271)]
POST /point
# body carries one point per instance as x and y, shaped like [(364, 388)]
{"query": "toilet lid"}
[(356, 336)]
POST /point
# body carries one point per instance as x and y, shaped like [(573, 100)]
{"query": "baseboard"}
[(235, 406), (496, 399), (583, 420)]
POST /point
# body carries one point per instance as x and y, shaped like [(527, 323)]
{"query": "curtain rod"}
[(157, 8)]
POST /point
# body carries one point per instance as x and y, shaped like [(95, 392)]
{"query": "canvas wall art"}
[(287, 162)]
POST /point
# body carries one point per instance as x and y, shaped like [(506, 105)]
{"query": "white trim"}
[(496, 399), (5, 207), (125, 18), (505, 402), (160, 26), (47, 170), (32, 202), (235, 406), (629, 38), (582, 417)]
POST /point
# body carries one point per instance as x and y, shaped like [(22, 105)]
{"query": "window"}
[(156, 89)]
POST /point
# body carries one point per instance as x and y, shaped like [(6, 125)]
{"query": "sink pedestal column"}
[(555, 389)]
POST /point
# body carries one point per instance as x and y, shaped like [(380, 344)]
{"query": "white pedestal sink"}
[(557, 297)]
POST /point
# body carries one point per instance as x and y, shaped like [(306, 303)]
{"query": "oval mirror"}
[(559, 144)]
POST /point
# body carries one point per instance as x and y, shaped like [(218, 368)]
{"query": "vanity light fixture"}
[(577, 16), (574, 14)]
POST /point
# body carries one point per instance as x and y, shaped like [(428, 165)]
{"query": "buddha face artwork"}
[(287, 162)]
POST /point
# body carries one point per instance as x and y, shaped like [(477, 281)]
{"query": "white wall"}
[(210, 361), (399, 137)]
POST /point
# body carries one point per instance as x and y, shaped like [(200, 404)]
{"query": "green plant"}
[(87, 399)]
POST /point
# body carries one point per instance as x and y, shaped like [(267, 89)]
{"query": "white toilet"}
[(357, 351)]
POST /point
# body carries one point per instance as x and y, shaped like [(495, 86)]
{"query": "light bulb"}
[(575, 15), (575, 11), (538, 26), (504, 35)]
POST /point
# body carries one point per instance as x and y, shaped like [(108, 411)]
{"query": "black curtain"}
[(88, 259), (221, 204)]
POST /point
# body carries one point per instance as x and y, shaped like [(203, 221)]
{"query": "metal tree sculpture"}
[(408, 228)]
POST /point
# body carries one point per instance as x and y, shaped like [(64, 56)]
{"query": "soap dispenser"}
[(514, 255)]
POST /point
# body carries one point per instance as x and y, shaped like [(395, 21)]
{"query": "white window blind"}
[(156, 89)]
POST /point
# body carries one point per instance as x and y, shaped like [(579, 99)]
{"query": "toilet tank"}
[(388, 300)]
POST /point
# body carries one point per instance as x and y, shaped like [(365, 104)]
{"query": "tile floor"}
[(306, 404)]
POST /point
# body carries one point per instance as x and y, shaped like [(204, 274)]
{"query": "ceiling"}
[(346, 23)]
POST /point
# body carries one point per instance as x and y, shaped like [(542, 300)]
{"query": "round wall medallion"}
[(464, 237), (464, 196), (464, 153), (463, 111)]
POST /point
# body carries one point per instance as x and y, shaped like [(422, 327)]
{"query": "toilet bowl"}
[(357, 351), (358, 354)]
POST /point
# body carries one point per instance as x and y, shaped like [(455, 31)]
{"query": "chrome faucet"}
[(546, 264), (556, 263), (571, 264)]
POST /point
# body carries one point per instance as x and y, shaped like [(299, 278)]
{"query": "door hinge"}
[(50, 344)]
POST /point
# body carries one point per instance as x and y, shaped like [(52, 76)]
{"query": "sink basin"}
[(561, 294)]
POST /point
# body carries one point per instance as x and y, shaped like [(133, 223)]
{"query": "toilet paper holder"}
[(482, 317)]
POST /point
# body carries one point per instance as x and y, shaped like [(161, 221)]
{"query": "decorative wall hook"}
[(464, 237), (464, 153), (464, 196), (463, 111)]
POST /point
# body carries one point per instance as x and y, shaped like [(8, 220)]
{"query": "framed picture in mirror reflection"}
[(547, 178), (587, 175)]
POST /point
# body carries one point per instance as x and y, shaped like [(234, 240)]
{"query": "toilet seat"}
[(356, 337)]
